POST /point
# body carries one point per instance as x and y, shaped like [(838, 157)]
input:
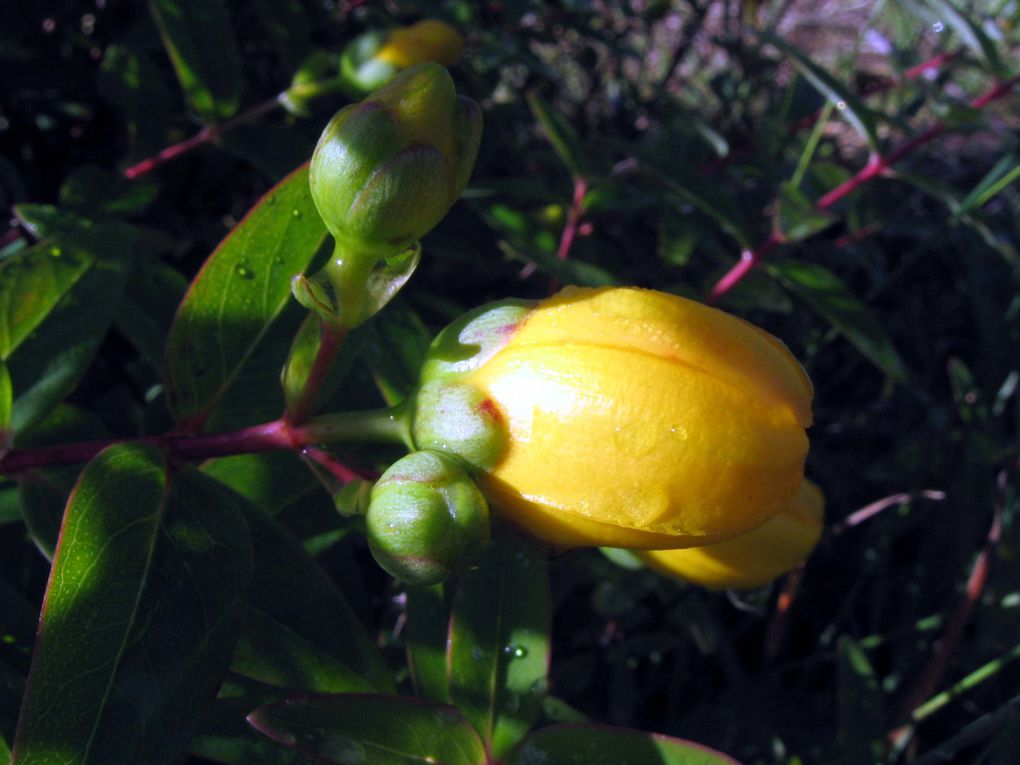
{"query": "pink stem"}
[(330, 342), (975, 587), (877, 165), (206, 135), (268, 436), (871, 510), (337, 469)]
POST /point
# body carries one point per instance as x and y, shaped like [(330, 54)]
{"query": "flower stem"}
[(331, 340)]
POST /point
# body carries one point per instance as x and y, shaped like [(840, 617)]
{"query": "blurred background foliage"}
[(647, 142)]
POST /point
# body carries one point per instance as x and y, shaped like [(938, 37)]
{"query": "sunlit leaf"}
[(241, 289), (64, 329), (363, 728), (142, 609), (498, 651), (198, 36)]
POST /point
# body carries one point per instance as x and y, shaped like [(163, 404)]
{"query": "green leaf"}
[(828, 296), (291, 588), (32, 283), (198, 36), (565, 141), (1005, 172), (710, 199), (363, 728), (6, 406), (43, 221), (425, 635), (970, 33), (847, 102), (602, 745), (498, 651), (861, 724), (94, 192), (796, 217), (241, 289), (142, 609), (395, 344), (12, 687), (130, 81), (147, 311), (10, 508), (43, 493), (18, 620), (46, 364), (274, 654), (286, 25)]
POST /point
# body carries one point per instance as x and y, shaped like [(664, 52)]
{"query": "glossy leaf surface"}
[(241, 289), (498, 656), (381, 730), (141, 612)]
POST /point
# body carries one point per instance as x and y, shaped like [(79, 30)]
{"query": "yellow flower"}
[(428, 40), (626, 417), (753, 559)]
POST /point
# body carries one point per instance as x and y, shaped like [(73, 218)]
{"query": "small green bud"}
[(316, 77), (387, 170), (450, 415), (426, 519)]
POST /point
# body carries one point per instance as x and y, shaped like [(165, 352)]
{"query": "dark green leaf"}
[(10, 508), (426, 633), (198, 36), (395, 345), (241, 289), (18, 620), (147, 311), (861, 725), (796, 217), (43, 493), (1005, 171), (847, 102), (570, 271), (826, 293), (43, 221), (93, 192), (274, 654), (362, 728), (6, 405), (687, 187), (142, 609), (601, 745), (33, 282), (970, 33), (286, 25), (130, 81), (291, 588), (561, 135), (498, 656), (12, 687), (47, 364)]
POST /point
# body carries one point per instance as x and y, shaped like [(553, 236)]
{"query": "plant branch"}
[(278, 435), (331, 340), (208, 134), (876, 166)]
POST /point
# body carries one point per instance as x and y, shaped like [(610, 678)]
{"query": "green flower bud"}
[(450, 415), (426, 519), (387, 170), (316, 77)]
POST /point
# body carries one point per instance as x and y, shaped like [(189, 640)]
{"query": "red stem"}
[(268, 436), (205, 135), (976, 582), (877, 165), (331, 340), (776, 630)]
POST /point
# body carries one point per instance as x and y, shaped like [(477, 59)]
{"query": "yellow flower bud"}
[(639, 419), (428, 40), (753, 559)]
